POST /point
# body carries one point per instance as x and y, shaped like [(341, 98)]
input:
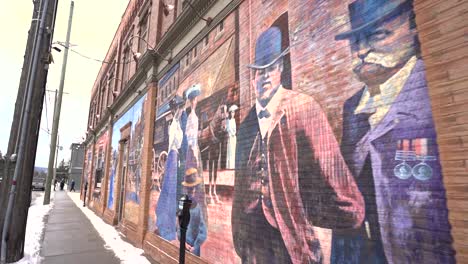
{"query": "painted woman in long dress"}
[(193, 163), (166, 209), (232, 139)]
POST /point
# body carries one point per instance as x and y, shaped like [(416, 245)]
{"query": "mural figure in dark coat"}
[(389, 143), (290, 175)]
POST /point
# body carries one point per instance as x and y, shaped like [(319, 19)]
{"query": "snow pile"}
[(35, 230), (126, 252)]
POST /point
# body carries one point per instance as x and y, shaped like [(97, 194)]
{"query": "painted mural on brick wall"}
[(194, 144), (126, 161), (317, 201), (97, 175), (87, 167), (113, 167), (335, 160)]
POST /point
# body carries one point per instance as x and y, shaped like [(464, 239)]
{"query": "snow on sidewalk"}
[(125, 251), (35, 230)]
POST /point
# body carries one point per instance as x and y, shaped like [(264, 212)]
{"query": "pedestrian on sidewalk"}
[(55, 183), (72, 186), (62, 184)]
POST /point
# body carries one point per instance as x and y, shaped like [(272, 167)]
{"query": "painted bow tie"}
[(264, 114)]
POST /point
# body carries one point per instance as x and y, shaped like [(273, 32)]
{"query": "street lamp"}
[(115, 91), (167, 8), (137, 55)]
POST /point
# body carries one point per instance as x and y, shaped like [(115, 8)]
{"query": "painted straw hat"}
[(191, 179)]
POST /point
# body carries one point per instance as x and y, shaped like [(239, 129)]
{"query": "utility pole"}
[(56, 157), (24, 133), (55, 124)]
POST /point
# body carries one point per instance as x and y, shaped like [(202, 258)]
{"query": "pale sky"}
[(93, 28)]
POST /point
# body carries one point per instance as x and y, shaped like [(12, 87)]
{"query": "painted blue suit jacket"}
[(407, 220)]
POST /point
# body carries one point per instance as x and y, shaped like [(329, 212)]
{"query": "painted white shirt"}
[(272, 107), (175, 135), (191, 129)]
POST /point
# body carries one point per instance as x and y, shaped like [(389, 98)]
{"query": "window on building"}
[(90, 116), (94, 113), (100, 162), (143, 33), (126, 65), (98, 105), (111, 87), (195, 51), (99, 168), (104, 96), (219, 30)]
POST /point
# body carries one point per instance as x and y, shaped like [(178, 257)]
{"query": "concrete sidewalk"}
[(69, 237)]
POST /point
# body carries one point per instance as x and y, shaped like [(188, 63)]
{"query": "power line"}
[(47, 131), (93, 59)]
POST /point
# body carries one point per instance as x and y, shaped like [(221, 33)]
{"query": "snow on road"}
[(125, 251), (35, 229)]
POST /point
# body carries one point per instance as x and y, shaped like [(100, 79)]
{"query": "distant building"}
[(76, 163)]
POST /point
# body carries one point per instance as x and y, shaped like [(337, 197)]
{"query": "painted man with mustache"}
[(290, 175), (389, 143)]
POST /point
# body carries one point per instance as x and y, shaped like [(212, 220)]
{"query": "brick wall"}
[(363, 148), (442, 26)]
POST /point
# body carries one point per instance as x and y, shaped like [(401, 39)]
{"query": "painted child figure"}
[(196, 230)]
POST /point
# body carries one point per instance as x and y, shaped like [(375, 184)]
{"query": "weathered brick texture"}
[(361, 157), (442, 28)]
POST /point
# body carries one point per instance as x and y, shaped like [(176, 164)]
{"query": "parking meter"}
[(184, 219)]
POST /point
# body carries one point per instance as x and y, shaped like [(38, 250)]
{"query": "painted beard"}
[(373, 73), (265, 95), (376, 68)]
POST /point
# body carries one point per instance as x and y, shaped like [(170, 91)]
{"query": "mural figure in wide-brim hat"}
[(231, 129), (364, 14), (193, 91), (192, 158), (193, 184), (166, 224), (388, 134)]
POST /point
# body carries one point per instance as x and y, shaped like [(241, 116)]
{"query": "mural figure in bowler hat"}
[(290, 175), (406, 215)]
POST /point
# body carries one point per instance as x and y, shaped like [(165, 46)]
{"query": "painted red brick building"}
[(303, 131)]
